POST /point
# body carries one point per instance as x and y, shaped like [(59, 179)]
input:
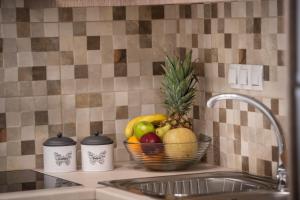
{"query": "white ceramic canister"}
[(97, 153), (59, 154)]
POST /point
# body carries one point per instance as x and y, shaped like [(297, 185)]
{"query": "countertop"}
[(90, 188)]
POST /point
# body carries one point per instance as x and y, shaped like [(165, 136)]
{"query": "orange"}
[(134, 146)]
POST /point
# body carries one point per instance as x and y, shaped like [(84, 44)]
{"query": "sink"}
[(219, 185)]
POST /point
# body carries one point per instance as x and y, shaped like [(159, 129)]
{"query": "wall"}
[(79, 70)]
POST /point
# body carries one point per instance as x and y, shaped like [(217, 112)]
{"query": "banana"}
[(162, 130), (149, 118)]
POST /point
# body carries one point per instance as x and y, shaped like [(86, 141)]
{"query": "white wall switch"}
[(249, 77)]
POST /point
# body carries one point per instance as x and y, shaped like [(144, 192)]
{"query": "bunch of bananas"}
[(154, 119)]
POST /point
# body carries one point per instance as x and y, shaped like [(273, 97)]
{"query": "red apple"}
[(151, 144)]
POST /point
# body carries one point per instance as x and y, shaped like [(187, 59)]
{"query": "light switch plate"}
[(249, 77)]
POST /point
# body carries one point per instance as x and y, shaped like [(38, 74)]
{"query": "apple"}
[(142, 128), (151, 144)]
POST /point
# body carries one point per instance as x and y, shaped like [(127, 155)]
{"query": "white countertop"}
[(91, 190)]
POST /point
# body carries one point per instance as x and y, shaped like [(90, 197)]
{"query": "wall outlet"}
[(249, 77)]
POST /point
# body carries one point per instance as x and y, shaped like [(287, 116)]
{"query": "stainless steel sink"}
[(219, 185)]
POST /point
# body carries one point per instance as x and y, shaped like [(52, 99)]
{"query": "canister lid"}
[(59, 140), (97, 139)]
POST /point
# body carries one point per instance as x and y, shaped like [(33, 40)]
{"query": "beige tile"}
[(105, 13), (21, 162), (13, 149), (27, 133)]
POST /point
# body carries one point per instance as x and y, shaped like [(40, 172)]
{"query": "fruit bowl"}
[(168, 157)]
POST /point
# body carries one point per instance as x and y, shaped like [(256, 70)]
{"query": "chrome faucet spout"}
[(268, 113)]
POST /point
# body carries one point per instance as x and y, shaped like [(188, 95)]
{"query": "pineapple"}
[(178, 87)]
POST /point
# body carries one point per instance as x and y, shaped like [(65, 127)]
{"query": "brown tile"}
[(275, 106), (27, 147), (237, 147), (251, 108), (185, 11), (280, 57), (120, 69), (95, 100), (24, 73), (81, 71), (196, 112), (257, 41), (181, 52), (237, 132), (2, 120), (3, 135), (119, 13), (66, 58), (207, 26), (157, 68), (216, 143), (157, 12), (132, 27), (245, 164), (45, 44), (221, 70), (266, 73), (65, 14), (23, 29), (53, 87), (221, 25), (280, 7), (93, 42), (227, 9), (82, 100), (257, 25), (145, 41), (69, 129), (39, 73), (214, 10), (275, 155), (199, 69), (145, 27), (122, 112), (79, 28), (227, 41), (207, 11), (144, 12), (222, 115), (41, 117), (266, 123), (229, 104), (267, 168), (22, 15), (242, 56), (194, 41), (244, 118), (207, 55), (120, 56), (96, 126), (8, 15), (280, 24)]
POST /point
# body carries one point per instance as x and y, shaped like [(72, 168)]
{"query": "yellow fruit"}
[(155, 118), (180, 143)]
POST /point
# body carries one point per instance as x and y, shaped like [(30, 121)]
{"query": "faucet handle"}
[(281, 178)]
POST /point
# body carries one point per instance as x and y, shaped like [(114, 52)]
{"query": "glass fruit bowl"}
[(168, 157)]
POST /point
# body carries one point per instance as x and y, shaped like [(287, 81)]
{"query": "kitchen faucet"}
[(281, 174)]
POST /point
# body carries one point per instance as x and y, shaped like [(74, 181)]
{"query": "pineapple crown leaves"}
[(178, 85)]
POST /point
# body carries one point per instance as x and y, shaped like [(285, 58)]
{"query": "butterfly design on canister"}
[(94, 158), (60, 159)]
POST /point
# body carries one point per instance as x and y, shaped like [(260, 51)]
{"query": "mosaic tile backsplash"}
[(81, 70)]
